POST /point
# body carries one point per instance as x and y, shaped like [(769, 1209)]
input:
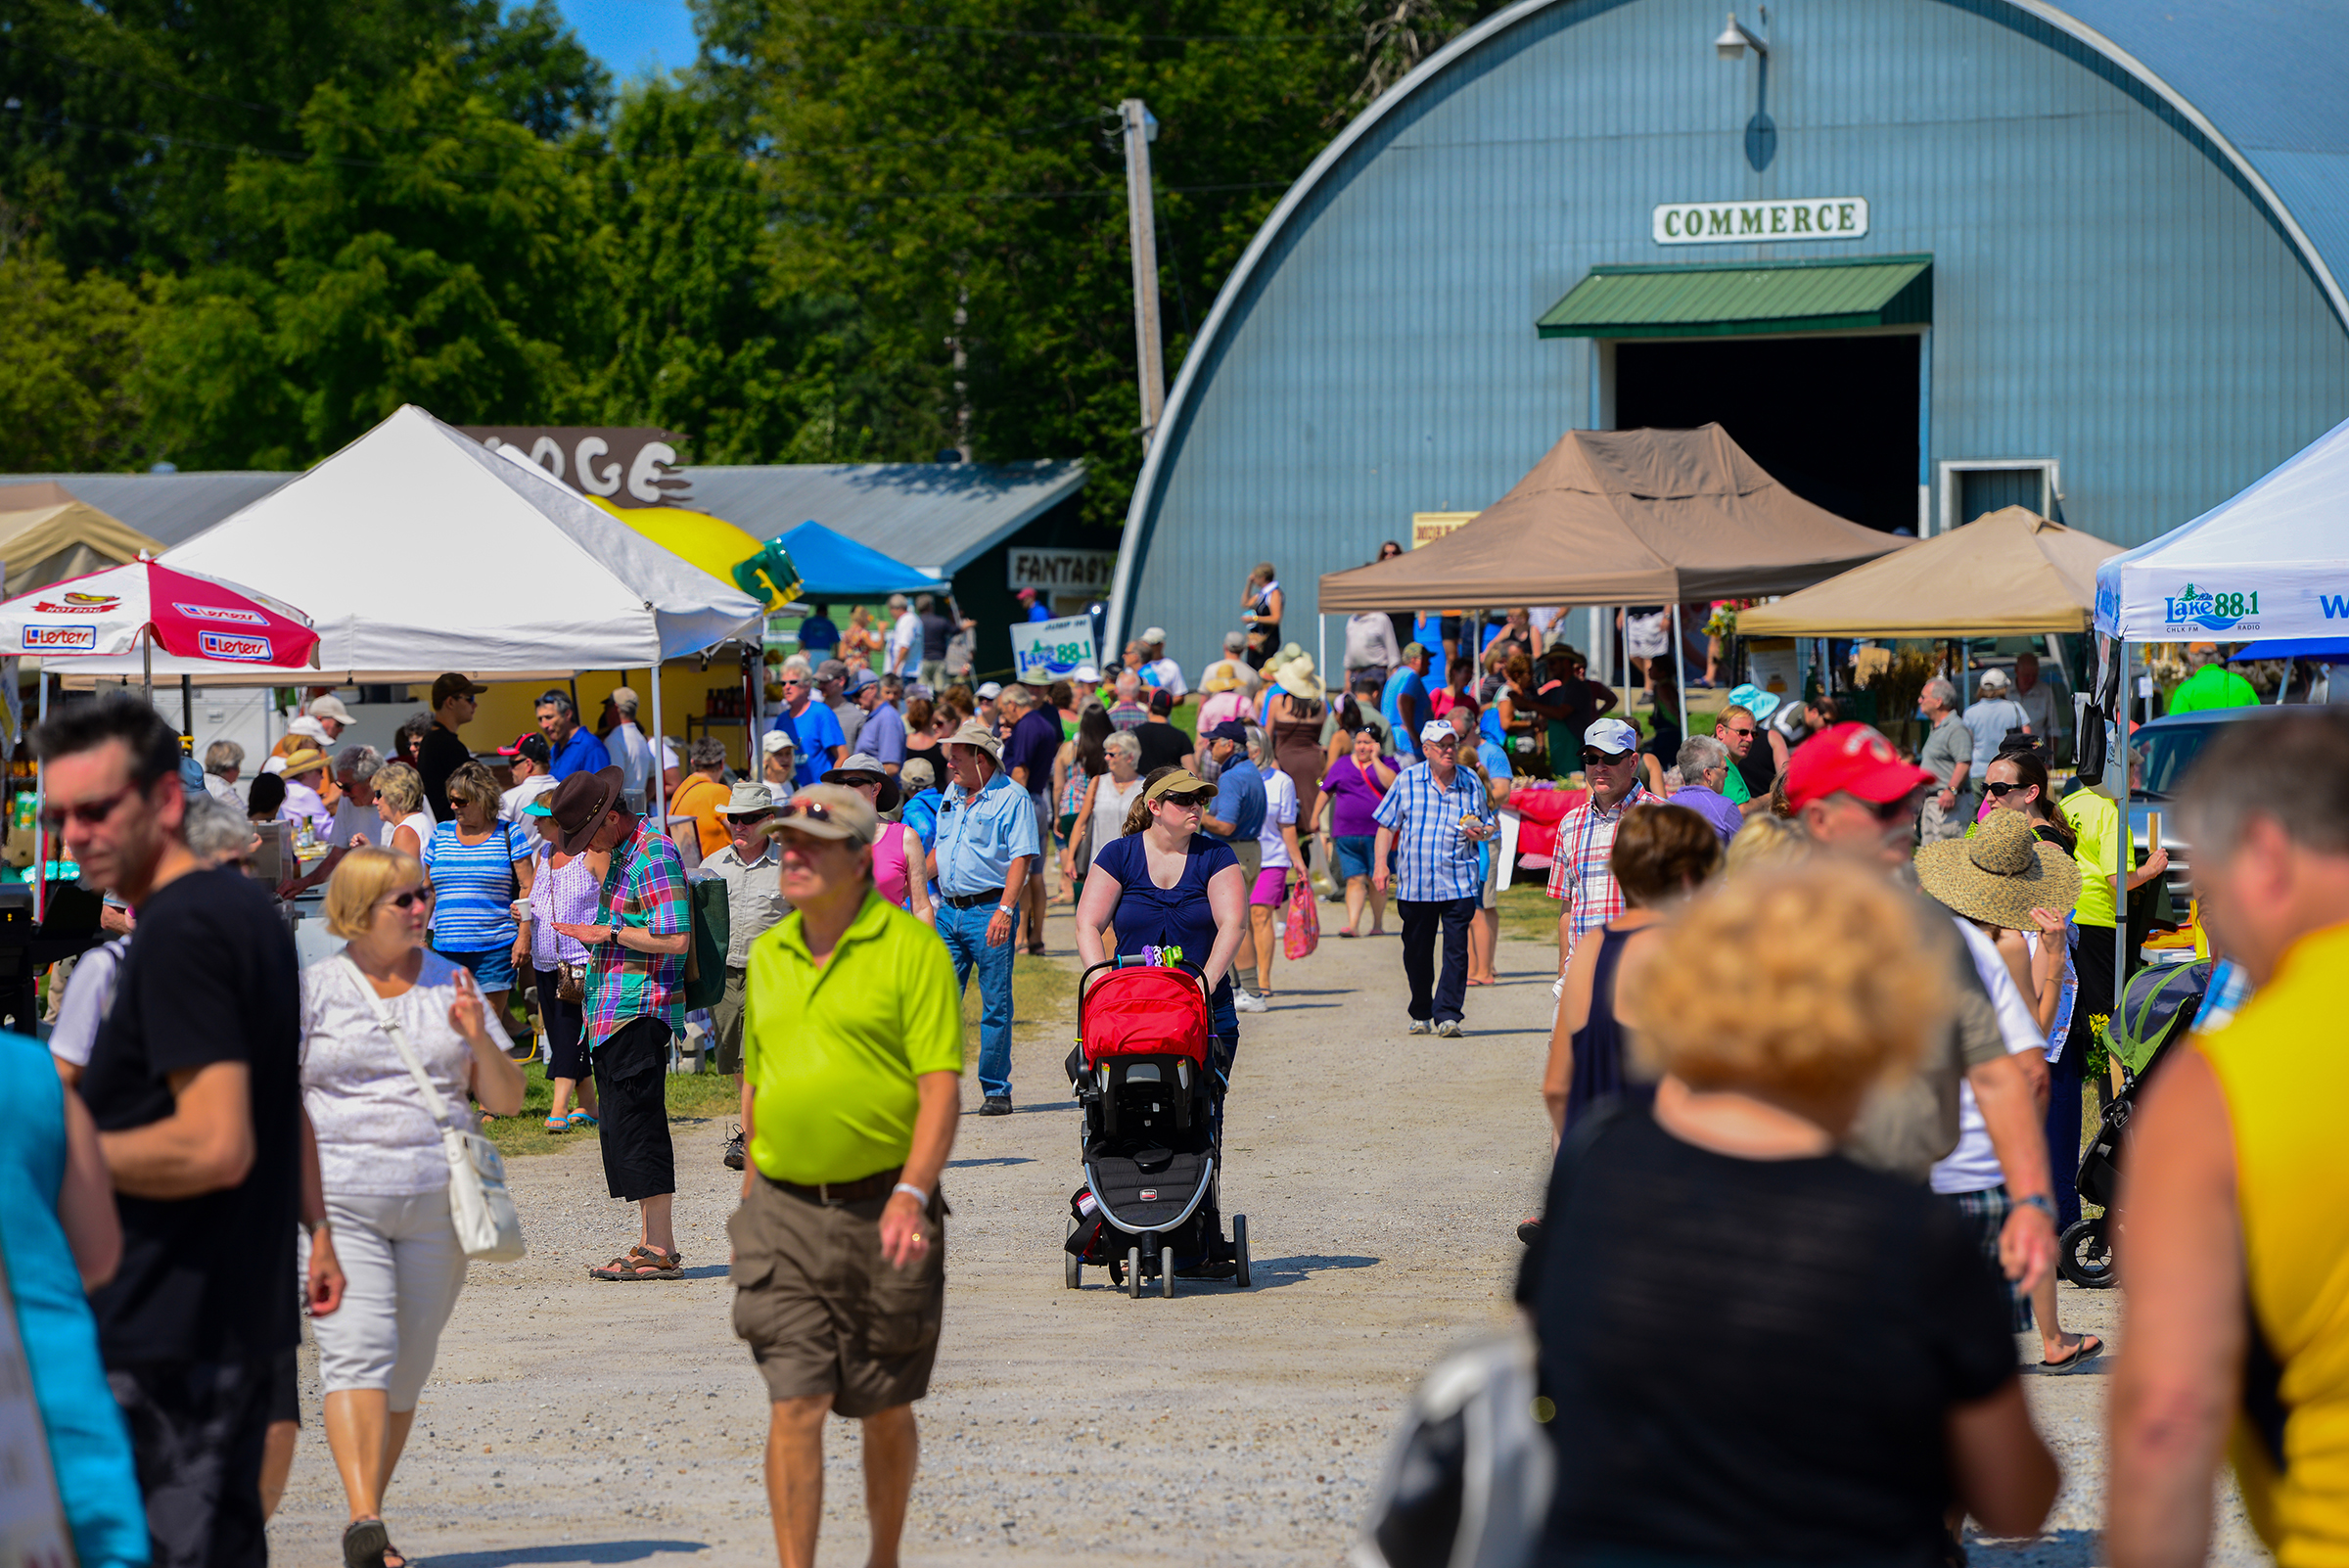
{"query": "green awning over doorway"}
[(1716, 299)]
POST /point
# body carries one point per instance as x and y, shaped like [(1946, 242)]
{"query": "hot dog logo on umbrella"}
[(79, 603)]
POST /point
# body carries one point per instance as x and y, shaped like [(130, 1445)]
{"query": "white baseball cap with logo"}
[(1611, 735)]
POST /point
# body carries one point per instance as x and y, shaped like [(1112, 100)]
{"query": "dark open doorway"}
[(1832, 419)]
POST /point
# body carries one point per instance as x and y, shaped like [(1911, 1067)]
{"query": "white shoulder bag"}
[(488, 1225)]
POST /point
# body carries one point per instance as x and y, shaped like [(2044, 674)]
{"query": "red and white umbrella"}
[(145, 603)]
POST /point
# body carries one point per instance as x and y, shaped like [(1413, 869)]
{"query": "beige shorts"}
[(822, 1311), (727, 1017), (1252, 858)]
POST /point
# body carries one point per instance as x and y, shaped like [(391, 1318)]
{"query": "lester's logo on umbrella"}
[(233, 645), (221, 612), (77, 604), (58, 639)]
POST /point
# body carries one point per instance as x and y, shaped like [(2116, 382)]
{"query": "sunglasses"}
[(1886, 812), (409, 898), (1594, 757), (89, 814), (2001, 790), (1193, 801), (813, 810), (1747, 730)]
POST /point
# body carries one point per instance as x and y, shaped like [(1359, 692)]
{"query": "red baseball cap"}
[(1850, 759)]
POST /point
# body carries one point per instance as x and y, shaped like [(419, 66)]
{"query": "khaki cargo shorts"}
[(821, 1310)]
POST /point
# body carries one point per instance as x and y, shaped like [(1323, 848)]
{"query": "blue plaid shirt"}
[(1432, 861)]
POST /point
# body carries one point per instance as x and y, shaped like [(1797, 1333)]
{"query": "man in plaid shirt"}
[(1580, 876), (635, 1003), (1434, 817)]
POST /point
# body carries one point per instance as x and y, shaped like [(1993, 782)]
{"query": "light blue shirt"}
[(1432, 861), (979, 836), (1406, 736)]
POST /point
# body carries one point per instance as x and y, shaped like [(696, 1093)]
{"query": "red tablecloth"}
[(1541, 807)]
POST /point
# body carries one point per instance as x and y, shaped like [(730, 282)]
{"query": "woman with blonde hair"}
[(1692, 1424), (482, 867), (382, 999), (399, 801)]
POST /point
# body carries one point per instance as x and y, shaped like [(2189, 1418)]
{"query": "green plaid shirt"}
[(644, 888)]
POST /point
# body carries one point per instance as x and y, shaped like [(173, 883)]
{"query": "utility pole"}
[(1142, 130)]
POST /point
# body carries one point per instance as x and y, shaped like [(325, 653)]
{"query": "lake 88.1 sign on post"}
[(1047, 650)]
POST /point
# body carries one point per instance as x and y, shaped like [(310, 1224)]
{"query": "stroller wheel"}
[(2084, 1254), (1165, 1275), (1134, 1273), (1072, 1272), (1239, 1248)]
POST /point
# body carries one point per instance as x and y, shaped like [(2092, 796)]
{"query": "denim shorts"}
[(1353, 855)]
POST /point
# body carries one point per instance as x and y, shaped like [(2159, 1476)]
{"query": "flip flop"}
[(364, 1544), (556, 1123), (2089, 1347), (1343, 932), (582, 1119)]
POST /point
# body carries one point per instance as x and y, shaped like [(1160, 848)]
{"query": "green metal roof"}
[(1713, 300)]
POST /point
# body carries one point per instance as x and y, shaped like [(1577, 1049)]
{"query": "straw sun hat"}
[(1297, 679), (2001, 873)]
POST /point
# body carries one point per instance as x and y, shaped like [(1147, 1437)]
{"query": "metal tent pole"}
[(41, 825), (658, 796), (2120, 888), (1680, 676)]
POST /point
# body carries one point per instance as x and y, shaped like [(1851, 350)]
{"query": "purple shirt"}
[(1354, 795), (1715, 808)]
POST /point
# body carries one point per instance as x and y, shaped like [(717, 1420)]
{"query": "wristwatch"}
[(2039, 1201), (1007, 908)]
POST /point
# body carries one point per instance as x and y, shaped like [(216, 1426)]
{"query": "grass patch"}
[(1528, 914), (692, 1097), (1044, 991)]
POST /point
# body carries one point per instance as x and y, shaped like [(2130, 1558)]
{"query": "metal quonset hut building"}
[(1946, 254)]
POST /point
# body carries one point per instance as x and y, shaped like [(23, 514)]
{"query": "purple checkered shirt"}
[(644, 888)]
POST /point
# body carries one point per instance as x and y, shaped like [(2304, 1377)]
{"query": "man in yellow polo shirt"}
[(2235, 1208), (852, 1071)]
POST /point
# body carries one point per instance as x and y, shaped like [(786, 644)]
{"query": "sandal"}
[(641, 1264), (582, 1119), (364, 1544), (557, 1123)]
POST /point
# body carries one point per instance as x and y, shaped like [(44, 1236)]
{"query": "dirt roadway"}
[(575, 1422)]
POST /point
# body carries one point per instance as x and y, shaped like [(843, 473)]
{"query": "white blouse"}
[(376, 1136)]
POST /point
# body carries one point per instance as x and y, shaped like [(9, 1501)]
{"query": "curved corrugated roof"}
[(2253, 84)]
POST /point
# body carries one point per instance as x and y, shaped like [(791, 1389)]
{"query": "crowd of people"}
[(1831, 998)]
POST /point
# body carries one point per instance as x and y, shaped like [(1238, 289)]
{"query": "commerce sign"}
[(1825, 218), (1071, 571), (2208, 610), (236, 645), (1049, 649), (58, 639), (631, 465)]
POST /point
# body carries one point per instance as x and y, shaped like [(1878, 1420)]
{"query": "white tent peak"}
[(415, 550), (2273, 561)]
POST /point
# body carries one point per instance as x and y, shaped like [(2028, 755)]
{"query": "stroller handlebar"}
[(1084, 981)]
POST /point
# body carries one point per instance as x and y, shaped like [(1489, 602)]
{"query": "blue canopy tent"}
[(833, 568), (2335, 650)]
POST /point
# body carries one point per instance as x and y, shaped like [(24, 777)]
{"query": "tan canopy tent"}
[(47, 535), (2006, 572), (1621, 516)]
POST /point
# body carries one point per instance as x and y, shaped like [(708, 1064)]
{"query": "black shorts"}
[(566, 1030), (1447, 628), (196, 1431), (632, 1085), (285, 1389)]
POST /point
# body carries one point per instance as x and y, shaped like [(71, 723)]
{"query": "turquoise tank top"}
[(88, 1446)]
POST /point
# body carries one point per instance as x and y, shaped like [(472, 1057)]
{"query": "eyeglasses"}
[(408, 898), (1594, 757), (1745, 730), (2001, 790), (89, 814)]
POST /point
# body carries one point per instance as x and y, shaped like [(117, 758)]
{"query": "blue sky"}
[(631, 36)]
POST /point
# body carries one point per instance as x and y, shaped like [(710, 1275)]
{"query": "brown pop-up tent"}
[(1621, 516), (48, 534), (2006, 572)]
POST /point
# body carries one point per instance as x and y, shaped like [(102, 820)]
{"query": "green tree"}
[(65, 363), (427, 249)]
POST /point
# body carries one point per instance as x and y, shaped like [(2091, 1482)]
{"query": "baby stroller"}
[(1147, 1074), (2157, 1009)]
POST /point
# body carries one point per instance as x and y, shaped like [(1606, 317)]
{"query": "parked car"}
[(2162, 754)]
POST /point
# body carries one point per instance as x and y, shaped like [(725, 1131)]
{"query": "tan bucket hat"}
[(2000, 873)]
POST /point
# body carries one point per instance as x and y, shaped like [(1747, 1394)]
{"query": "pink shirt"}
[(889, 865), (1221, 705)]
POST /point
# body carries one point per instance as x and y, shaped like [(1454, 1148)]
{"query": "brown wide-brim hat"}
[(2000, 873), (579, 806)]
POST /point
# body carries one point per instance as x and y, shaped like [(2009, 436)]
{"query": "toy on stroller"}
[(1147, 1074), (2157, 1010)]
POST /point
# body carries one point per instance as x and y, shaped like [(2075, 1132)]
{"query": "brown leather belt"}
[(831, 1194)]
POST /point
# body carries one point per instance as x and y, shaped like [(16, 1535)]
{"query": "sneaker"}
[(735, 1155), (995, 1105), (1421, 1025), (1449, 1029), (1243, 1001)]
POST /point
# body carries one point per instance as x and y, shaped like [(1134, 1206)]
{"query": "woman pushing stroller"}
[(1166, 890)]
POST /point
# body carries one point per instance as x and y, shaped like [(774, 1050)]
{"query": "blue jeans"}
[(964, 932)]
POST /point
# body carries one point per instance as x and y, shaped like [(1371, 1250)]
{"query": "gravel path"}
[(575, 1423)]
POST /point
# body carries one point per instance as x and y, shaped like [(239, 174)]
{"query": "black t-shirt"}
[(1753, 1360), (1665, 743), (441, 755), (937, 631), (1163, 745), (209, 976), (1759, 767)]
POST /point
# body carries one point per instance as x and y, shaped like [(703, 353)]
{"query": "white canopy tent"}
[(416, 550), (2273, 562)]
